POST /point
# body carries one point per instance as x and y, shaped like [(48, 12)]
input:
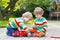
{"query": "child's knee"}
[(39, 34), (10, 31)]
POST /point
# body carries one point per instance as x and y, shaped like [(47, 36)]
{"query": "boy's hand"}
[(34, 27), (29, 34)]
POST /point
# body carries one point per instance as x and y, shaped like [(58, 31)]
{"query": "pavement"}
[(52, 30)]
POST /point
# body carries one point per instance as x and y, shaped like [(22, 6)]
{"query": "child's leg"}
[(42, 34), (20, 33), (38, 34), (32, 31), (10, 31)]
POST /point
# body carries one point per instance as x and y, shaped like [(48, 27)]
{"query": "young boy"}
[(40, 23), (18, 24)]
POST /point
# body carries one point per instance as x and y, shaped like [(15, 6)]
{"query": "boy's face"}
[(26, 19), (38, 16)]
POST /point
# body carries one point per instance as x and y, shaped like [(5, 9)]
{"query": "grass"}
[(3, 23)]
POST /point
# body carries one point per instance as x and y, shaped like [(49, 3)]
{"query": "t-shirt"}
[(40, 24)]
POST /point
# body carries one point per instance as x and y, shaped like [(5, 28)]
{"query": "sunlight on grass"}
[(11, 19), (3, 23)]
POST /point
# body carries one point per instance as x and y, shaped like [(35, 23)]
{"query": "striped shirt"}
[(16, 23), (41, 24)]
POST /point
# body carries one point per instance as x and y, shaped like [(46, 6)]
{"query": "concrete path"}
[(53, 29)]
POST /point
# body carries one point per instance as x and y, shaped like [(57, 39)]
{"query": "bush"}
[(19, 12)]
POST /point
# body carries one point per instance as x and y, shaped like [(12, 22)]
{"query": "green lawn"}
[(3, 23)]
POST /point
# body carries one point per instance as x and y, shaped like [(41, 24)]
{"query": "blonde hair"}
[(38, 10), (27, 14)]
